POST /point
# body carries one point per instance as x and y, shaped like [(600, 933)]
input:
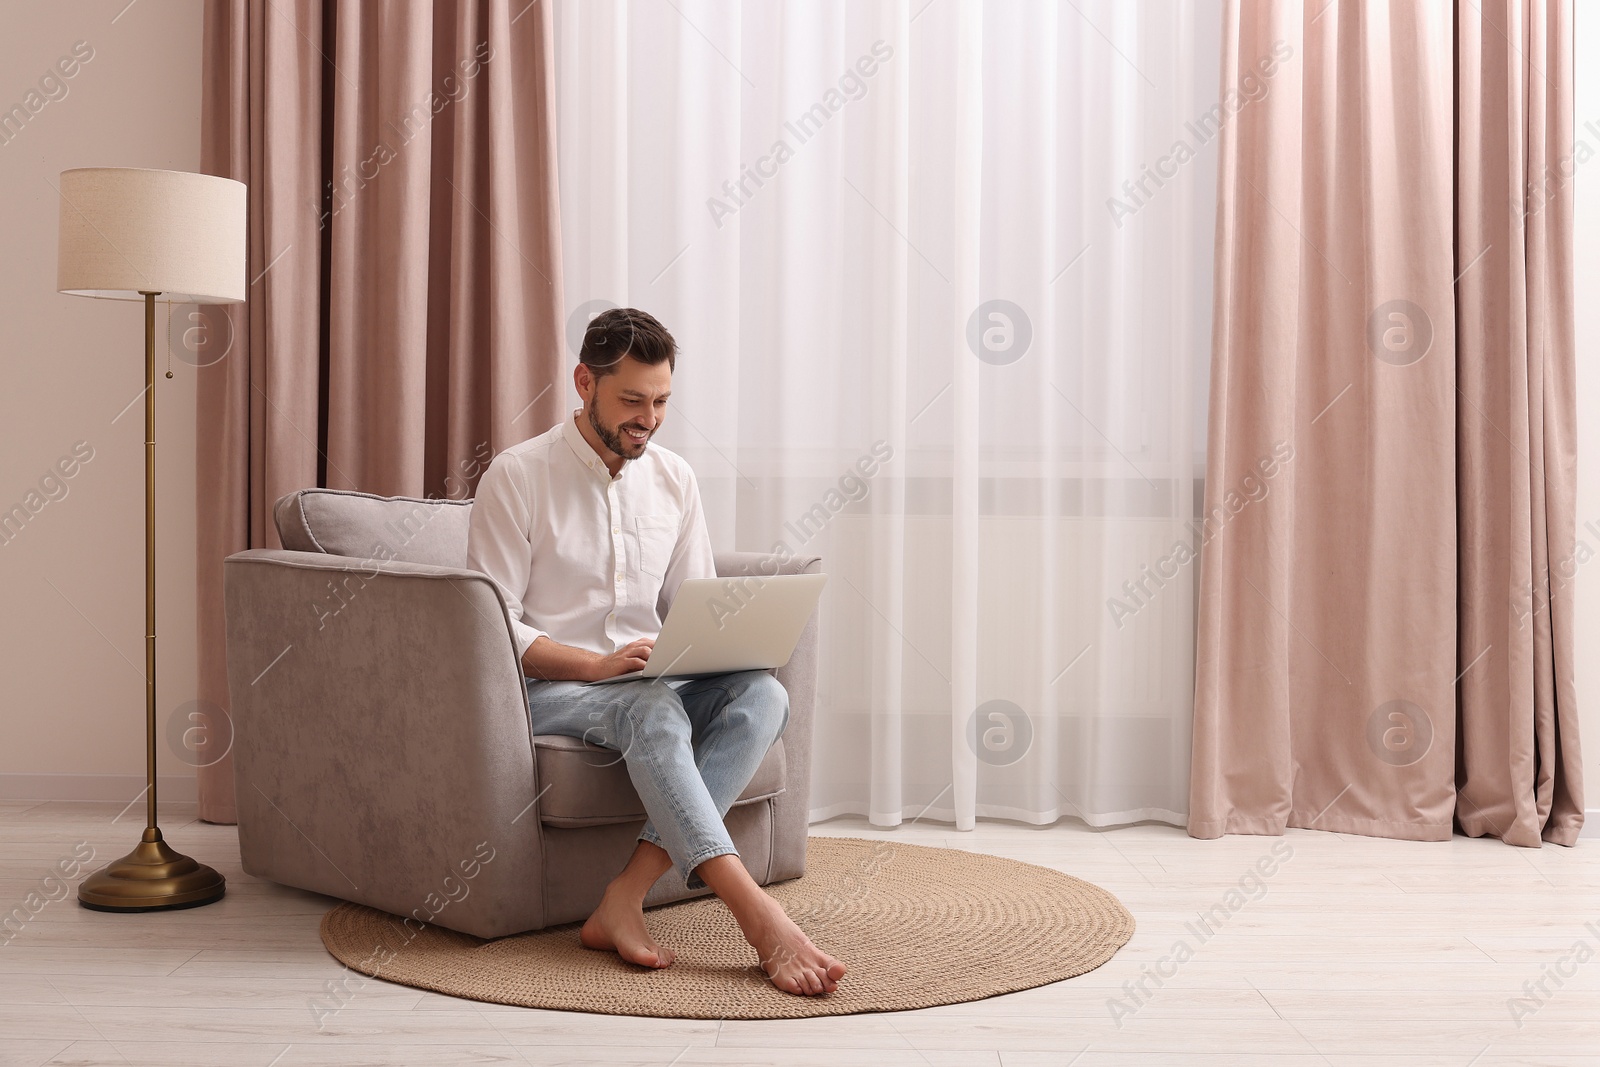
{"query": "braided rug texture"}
[(916, 926)]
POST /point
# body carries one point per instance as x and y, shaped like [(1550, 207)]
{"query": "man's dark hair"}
[(626, 332)]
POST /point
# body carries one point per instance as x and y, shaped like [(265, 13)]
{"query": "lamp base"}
[(153, 877)]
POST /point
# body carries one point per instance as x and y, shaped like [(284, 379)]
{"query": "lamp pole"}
[(153, 877)]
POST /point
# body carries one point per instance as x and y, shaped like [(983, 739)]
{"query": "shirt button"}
[(616, 529)]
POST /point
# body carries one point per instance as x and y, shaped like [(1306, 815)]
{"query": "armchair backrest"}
[(344, 523)]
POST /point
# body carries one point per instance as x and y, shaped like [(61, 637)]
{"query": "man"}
[(588, 531)]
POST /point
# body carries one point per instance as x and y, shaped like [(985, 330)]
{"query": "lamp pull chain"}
[(169, 338)]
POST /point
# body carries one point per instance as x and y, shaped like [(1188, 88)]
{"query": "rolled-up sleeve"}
[(692, 555), (499, 545)]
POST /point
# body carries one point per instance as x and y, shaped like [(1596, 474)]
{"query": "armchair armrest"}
[(791, 812), (380, 728)]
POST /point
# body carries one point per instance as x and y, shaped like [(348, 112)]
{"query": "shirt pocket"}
[(658, 536)]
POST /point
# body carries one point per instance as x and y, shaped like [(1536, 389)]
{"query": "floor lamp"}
[(130, 234)]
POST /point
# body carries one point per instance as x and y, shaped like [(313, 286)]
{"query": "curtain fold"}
[(1381, 649), (940, 278), (403, 316), (1518, 767)]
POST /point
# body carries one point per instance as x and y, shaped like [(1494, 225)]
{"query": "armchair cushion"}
[(343, 523), (586, 785)]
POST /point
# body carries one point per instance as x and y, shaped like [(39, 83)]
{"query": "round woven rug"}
[(916, 926)]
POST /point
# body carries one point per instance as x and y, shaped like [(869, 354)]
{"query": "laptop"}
[(716, 625)]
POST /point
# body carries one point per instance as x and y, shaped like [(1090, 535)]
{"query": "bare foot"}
[(618, 925), (793, 963)]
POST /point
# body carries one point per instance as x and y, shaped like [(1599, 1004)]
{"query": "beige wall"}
[(72, 632)]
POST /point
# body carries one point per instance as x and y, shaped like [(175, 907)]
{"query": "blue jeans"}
[(690, 745)]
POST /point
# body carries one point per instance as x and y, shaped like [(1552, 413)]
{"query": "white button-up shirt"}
[(586, 559)]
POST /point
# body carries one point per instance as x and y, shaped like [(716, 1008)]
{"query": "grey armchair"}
[(382, 750)]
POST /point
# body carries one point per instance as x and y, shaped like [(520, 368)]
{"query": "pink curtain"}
[(403, 319), (1386, 638)]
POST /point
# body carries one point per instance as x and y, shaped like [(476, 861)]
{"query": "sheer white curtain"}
[(941, 281)]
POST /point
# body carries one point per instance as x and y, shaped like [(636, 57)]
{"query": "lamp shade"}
[(126, 230)]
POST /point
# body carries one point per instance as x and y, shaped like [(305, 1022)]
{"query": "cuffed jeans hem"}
[(694, 881), (690, 879)]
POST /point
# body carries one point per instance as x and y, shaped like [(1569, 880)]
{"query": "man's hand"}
[(550, 660), (630, 657)]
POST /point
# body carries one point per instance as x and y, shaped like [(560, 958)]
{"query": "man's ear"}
[(583, 378)]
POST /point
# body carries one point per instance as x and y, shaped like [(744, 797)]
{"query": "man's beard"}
[(614, 439)]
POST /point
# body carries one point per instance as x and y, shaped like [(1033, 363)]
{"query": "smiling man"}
[(588, 529)]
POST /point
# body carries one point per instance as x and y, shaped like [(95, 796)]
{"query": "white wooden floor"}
[(1353, 951)]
